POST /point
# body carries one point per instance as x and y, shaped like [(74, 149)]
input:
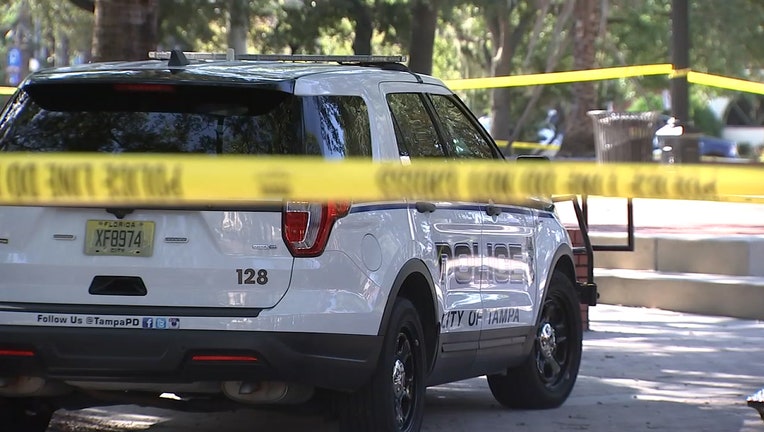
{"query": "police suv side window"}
[(463, 137), (415, 130), (345, 129)]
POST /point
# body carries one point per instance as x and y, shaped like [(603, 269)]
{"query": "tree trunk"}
[(124, 29), (364, 27), (23, 39), (506, 38), (424, 21), (579, 133), (501, 125), (62, 50), (238, 25)]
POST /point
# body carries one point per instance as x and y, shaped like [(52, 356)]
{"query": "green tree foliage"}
[(470, 38), (187, 25)]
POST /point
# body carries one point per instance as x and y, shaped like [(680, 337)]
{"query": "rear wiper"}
[(120, 213)]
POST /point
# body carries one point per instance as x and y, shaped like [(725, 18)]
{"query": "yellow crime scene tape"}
[(155, 180), (725, 82), (559, 77), (527, 145)]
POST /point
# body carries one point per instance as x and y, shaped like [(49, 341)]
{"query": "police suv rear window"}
[(160, 118)]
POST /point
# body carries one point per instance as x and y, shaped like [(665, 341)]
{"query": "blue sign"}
[(14, 57)]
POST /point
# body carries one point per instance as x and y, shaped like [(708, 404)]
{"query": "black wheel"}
[(393, 400), (25, 415), (546, 377)]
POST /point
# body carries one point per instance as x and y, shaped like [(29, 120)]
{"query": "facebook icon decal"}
[(148, 322)]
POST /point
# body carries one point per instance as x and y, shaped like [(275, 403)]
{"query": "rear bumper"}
[(335, 361)]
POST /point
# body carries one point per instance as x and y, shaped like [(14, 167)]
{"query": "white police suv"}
[(271, 302)]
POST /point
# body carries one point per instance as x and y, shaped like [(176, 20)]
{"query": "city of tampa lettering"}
[(472, 318), (27, 180)]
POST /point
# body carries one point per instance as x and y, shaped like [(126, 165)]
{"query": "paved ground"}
[(642, 370)]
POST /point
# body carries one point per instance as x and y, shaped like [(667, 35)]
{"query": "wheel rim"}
[(403, 380), (552, 342)]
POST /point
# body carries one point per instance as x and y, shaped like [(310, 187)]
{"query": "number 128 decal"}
[(250, 276)]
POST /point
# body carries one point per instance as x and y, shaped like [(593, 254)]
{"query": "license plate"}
[(119, 237)]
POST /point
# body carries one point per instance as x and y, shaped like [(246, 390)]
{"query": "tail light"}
[(306, 225), (16, 353), (224, 358)]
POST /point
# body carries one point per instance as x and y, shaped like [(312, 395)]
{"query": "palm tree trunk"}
[(238, 25), (579, 134), (362, 14), (124, 29), (424, 21)]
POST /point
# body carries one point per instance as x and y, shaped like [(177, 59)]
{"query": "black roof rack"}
[(230, 55)]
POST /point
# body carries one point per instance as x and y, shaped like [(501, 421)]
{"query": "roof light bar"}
[(230, 55)]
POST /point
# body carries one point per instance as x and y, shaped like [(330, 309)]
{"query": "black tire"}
[(546, 378), (25, 415), (393, 400)]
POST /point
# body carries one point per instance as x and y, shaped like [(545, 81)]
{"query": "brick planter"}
[(581, 262)]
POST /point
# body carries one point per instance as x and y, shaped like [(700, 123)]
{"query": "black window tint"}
[(417, 134), (338, 125), (464, 137), (114, 119)]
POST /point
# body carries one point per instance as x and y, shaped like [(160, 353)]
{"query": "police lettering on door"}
[(501, 263)]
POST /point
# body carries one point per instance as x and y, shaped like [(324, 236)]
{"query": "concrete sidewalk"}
[(656, 216), (691, 256)]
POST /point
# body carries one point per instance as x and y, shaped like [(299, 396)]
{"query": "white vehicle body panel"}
[(194, 262), (509, 288)]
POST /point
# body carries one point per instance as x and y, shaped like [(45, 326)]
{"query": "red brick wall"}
[(580, 262)]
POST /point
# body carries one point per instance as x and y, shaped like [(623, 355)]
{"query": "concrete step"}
[(686, 253), (710, 294)]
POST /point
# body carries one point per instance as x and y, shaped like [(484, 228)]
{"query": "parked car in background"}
[(707, 145), (714, 146)]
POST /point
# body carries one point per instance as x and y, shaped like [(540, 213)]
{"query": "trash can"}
[(624, 136), (678, 143)]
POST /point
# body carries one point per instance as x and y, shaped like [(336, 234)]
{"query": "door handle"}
[(425, 207), (492, 210)]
